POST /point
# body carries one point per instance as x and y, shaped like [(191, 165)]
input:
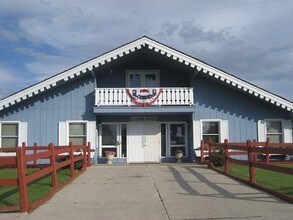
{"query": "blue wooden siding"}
[(214, 100), (72, 101)]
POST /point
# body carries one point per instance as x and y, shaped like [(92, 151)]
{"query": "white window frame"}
[(142, 73), (64, 130), (223, 129), (215, 134), (118, 138), (78, 136), (168, 135), (286, 129), (22, 131)]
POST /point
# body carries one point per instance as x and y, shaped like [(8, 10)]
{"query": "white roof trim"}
[(164, 51)]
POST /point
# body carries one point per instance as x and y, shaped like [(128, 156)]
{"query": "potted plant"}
[(178, 155), (110, 155)]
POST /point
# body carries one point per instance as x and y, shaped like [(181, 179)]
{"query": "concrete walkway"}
[(163, 191)]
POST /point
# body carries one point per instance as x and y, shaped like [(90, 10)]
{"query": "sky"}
[(251, 39)]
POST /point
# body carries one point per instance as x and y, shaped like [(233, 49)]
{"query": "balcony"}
[(167, 96)]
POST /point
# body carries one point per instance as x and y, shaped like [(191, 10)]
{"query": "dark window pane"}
[(274, 127), (177, 134), (109, 134), (77, 129), (213, 138), (209, 127), (9, 130), (124, 140), (77, 140), (163, 140), (134, 80), (275, 138), (150, 80), (9, 142)]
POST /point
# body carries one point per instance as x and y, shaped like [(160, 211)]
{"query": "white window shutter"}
[(63, 134), (261, 128), (224, 130), (22, 136), (91, 133), (196, 136), (287, 126)]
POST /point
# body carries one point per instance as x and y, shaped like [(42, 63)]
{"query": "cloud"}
[(8, 82), (45, 65)]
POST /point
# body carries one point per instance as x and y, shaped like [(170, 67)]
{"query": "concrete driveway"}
[(159, 191)]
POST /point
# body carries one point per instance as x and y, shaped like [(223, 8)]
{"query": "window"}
[(163, 140), (177, 138), (109, 138), (9, 135), (142, 78), (13, 133), (77, 133), (278, 130), (274, 131), (210, 131), (216, 129), (123, 140)]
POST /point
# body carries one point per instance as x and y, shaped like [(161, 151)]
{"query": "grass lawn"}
[(9, 196), (282, 183)]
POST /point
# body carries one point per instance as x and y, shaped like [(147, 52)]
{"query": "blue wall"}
[(214, 100), (71, 101)]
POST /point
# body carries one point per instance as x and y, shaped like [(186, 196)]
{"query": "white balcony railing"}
[(120, 97)]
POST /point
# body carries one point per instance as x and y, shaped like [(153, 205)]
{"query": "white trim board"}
[(159, 48)]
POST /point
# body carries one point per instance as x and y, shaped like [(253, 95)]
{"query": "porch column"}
[(196, 133)]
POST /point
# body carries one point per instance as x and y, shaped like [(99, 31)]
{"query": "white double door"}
[(143, 142)]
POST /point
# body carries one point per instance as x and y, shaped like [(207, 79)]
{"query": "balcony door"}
[(142, 78), (144, 142)]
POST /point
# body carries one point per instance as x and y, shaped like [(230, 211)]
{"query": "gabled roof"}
[(153, 45)]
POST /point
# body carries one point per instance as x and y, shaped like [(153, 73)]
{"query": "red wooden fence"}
[(224, 151), (28, 157)]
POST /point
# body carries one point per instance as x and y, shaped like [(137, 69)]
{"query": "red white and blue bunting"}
[(144, 96)]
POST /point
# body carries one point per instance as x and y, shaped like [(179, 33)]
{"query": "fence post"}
[(255, 154), (226, 157), (267, 153), (250, 161), (71, 157), (21, 171), (89, 163), (35, 154), (53, 164)]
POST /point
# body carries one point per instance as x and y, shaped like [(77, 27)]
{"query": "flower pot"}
[(178, 156), (109, 158)]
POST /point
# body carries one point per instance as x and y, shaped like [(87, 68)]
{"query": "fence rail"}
[(251, 149), (23, 157)]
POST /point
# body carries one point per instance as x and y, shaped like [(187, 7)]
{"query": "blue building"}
[(143, 100)]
